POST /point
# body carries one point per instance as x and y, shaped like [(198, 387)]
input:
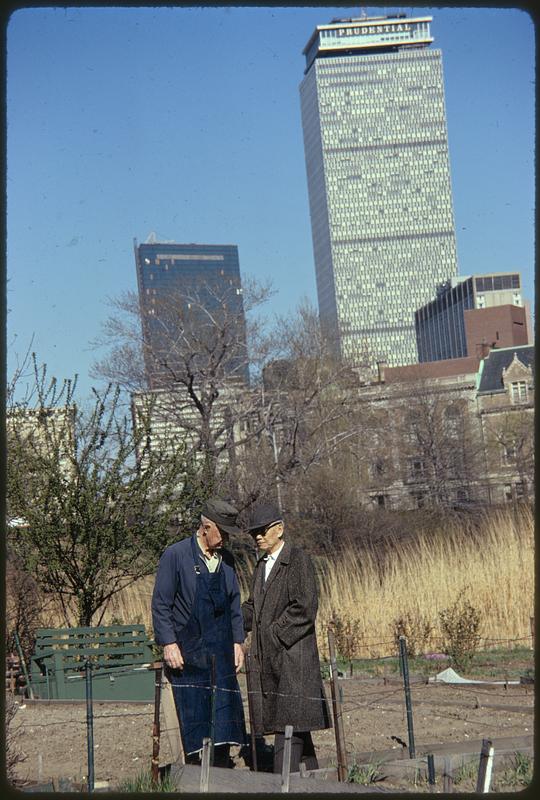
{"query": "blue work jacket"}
[(174, 592)]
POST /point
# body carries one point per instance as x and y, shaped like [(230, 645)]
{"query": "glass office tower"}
[(378, 173), (189, 294), (441, 324)]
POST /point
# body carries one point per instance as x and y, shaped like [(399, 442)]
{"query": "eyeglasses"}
[(263, 531)]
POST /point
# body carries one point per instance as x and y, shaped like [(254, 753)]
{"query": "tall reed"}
[(490, 564)]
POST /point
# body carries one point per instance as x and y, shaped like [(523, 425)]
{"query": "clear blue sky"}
[(186, 122)]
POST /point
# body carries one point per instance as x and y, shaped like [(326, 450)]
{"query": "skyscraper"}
[(192, 311), (376, 149)]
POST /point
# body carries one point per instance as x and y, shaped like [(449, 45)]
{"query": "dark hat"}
[(222, 513), (263, 515)]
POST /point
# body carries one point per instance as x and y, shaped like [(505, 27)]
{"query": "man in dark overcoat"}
[(280, 612)]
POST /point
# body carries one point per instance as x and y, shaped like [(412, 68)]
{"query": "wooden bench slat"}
[(103, 628), (117, 653), (46, 643)]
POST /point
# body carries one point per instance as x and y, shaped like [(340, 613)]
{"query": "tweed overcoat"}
[(285, 671)]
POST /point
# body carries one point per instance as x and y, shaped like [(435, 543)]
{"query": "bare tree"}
[(441, 458), (290, 416), (307, 400), (187, 356)]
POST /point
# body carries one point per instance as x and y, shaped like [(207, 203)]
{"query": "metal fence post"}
[(431, 769), (406, 685), (89, 725), (213, 710), (336, 707)]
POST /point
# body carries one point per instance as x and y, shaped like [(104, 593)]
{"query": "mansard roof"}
[(491, 372)]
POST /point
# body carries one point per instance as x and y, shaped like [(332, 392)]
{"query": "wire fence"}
[(376, 695), (349, 699)]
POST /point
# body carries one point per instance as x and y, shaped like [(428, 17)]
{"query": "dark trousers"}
[(221, 756), (302, 749)]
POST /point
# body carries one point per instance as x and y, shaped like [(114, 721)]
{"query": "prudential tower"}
[(380, 195)]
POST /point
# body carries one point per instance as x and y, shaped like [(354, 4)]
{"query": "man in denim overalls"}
[(197, 618)]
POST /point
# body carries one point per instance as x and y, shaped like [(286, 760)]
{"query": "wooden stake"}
[(286, 767), (448, 780), (205, 764), (485, 766), (158, 669), (336, 708), (249, 681)]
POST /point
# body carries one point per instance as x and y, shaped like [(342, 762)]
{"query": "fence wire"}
[(383, 698)]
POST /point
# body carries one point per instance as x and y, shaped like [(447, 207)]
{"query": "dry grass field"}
[(487, 562), (491, 567), (490, 564)]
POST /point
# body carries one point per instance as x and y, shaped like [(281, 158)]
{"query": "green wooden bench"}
[(119, 655)]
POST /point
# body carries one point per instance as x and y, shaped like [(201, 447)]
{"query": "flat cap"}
[(263, 515), (222, 513)]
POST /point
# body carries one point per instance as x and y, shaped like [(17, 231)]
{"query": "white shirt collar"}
[(275, 554)]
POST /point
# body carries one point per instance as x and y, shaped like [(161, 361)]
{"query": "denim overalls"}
[(208, 632)]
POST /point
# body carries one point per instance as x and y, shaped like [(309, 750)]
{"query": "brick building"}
[(470, 313)]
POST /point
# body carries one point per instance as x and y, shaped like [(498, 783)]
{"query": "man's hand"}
[(172, 656), (238, 656)]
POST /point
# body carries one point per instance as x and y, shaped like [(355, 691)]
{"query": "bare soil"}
[(52, 737)]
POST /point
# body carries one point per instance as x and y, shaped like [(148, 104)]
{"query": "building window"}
[(419, 499), (378, 468), (462, 495), (379, 500), (509, 453), (416, 469), (514, 491), (518, 392), (452, 420)]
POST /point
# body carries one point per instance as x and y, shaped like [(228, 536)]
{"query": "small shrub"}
[(417, 631), (365, 774), (460, 623), (467, 771), (521, 771), (142, 782), (348, 636)]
